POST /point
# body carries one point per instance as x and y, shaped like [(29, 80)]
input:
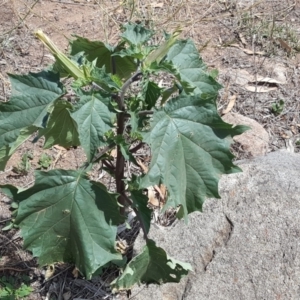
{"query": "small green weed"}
[(25, 165), (11, 223), (45, 161), (10, 289), (277, 107)]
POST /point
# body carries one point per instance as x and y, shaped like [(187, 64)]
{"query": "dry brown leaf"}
[(75, 272), (267, 80), (121, 246), (242, 39), (152, 198), (259, 89), (60, 148), (49, 271), (144, 167), (248, 51), (161, 194), (230, 105), (285, 136), (284, 45), (163, 190), (294, 129), (114, 152), (67, 295)]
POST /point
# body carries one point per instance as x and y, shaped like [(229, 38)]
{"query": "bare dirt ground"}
[(245, 40)]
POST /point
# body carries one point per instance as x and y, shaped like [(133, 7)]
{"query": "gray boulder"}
[(244, 246)]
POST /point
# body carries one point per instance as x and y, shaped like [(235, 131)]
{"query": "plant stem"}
[(126, 85), (138, 216), (120, 163), (145, 112)]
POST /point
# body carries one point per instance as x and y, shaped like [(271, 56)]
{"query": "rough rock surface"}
[(254, 141), (244, 246)]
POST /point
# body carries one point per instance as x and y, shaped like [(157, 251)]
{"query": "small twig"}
[(145, 112), (138, 216), (14, 269), (22, 19), (137, 147), (103, 151), (108, 165)]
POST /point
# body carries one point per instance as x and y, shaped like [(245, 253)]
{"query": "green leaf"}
[(7, 151), (45, 161), (190, 150), (4, 156), (136, 34), (61, 129), (67, 217), (31, 95), (190, 69), (157, 55), (140, 202), (122, 66), (94, 117), (166, 94), (150, 93), (151, 266), (103, 79)]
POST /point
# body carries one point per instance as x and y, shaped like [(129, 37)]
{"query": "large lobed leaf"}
[(140, 202), (184, 62), (190, 150), (152, 265), (31, 94), (94, 117), (67, 217), (26, 110), (61, 129), (136, 34), (122, 66)]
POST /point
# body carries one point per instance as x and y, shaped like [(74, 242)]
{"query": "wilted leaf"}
[(62, 60), (152, 265), (248, 51), (230, 105), (260, 88), (263, 79), (285, 45)]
